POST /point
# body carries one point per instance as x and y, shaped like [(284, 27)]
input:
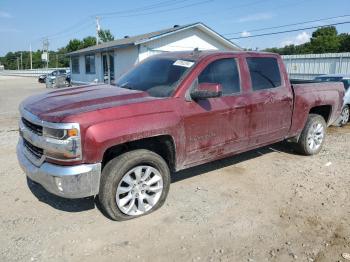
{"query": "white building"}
[(110, 60)]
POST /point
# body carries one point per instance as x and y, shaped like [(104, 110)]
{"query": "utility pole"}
[(98, 28), (46, 49), (56, 60), (30, 56), (21, 62), (17, 63)]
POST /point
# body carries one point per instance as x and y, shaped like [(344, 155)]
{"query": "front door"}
[(216, 127), (108, 68)]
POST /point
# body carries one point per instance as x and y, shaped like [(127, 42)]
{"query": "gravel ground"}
[(264, 205)]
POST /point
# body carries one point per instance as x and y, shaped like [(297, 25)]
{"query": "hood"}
[(56, 105)]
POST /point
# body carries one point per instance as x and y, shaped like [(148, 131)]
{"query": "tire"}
[(344, 117), (120, 173), (313, 135)]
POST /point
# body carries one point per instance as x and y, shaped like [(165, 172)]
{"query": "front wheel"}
[(134, 184), (313, 135)]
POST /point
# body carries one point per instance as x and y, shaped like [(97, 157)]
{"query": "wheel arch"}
[(323, 110), (163, 145)]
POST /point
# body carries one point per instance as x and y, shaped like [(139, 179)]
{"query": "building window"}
[(264, 72), (90, 64), (75, 64)]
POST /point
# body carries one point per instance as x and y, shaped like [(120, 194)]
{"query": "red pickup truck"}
[(170, 112)]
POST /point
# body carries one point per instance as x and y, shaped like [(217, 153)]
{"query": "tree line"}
[(323, 40), (21, 59)]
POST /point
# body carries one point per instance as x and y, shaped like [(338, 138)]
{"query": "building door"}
[(108, 68)]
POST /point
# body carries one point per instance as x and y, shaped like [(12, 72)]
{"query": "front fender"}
[(100, 137)]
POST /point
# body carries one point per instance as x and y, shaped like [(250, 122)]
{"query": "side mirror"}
[(206, 90)]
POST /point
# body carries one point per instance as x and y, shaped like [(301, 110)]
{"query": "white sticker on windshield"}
[(183, 63)]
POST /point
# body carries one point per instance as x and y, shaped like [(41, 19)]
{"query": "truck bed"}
[(309, 94), (302, 81)]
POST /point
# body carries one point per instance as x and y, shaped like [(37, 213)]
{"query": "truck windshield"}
[(158, 76)]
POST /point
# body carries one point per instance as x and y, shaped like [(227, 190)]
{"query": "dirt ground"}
[(265, 205)]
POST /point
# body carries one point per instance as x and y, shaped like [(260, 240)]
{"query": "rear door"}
[(270, 100)]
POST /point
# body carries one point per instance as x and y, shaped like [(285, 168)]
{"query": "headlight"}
[(65, 144), (60, 133)]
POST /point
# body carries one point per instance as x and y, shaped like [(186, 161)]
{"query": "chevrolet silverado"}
[(170, 112)]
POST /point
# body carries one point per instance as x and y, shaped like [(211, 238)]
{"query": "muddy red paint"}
[(201, 130)]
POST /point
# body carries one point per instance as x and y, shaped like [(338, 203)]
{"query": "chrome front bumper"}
[(66, 181)]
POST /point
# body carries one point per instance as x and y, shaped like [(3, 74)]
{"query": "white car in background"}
[(345, 114), (58, 78)]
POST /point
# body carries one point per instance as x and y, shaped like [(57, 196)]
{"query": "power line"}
[(289, 31), (287, 25), (168, 10), (144, 8), (244, 5), (88, 19), (230, 8), (74, 32), (70, 28)]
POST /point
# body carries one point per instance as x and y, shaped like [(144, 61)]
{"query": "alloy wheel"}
[(315, 136), (139, 190), (345, 116)]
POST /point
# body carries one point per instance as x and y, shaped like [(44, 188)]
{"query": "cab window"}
[(224, 72), (264, 72)]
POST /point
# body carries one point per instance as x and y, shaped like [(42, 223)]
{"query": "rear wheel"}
[(344, 117), (313, 135), (134, 184)]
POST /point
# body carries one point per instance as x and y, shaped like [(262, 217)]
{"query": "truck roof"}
[(196, 55)]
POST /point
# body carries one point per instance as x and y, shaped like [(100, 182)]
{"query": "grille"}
[(36, 151), (33, 127)]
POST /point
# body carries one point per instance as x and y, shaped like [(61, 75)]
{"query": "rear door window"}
[(264, 72)]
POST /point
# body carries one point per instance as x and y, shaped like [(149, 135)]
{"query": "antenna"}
[(195, 51)]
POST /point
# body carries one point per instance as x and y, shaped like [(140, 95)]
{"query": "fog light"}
[(58, 182)]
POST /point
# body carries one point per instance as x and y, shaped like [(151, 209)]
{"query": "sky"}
[(25, 23)]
